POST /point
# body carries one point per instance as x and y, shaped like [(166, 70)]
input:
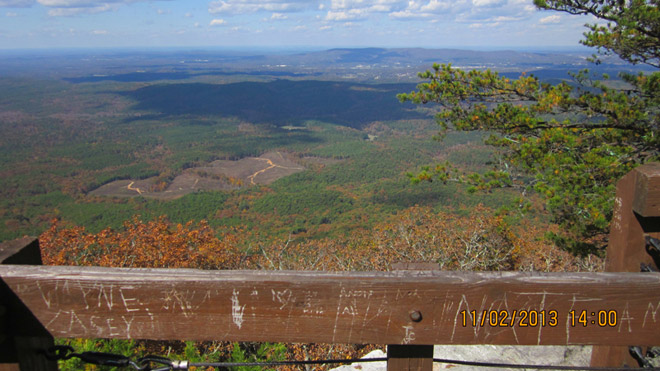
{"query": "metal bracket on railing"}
[(58, 352), (653, 249), (647, 360), (180, 365), (64, 352), (647, 268)]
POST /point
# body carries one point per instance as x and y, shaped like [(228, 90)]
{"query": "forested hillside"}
[(154, 156), (302, 169)]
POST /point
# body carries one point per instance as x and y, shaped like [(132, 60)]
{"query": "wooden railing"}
[(409, 308)]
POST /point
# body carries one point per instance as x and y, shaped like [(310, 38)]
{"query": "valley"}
[(313, 141), (232, 161)]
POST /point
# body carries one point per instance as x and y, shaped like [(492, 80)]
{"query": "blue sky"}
[(285, 23)]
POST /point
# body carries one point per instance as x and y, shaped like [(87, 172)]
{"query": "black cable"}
[(439, 360), (538, 367)]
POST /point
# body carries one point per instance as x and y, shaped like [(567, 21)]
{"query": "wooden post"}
[(636, 215), (411, 357), (23, 336)]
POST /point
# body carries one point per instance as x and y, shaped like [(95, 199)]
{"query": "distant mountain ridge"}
[(177, 64), (421, 56)]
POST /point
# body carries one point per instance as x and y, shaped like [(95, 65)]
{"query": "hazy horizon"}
[(296, 49), (465, 24)]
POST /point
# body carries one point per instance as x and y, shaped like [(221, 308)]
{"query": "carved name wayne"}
[(435, 308)]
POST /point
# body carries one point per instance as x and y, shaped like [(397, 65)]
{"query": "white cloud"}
[(503, 18), (71, 3), (188, 15), (436, 5), (365, 5), (67, 12), (16, 3), (100, 32), (490, 3), (508, 10), (278, 16), (71, 7), (343, 10), (432, 6), (473, 12), (550, 19), (408, 14), (484, 25), (217, 22), (11, 14), (253, 6), (162, 11), (421, 9), (341, 16)]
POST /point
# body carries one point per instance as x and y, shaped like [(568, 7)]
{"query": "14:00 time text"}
[(537, 318)]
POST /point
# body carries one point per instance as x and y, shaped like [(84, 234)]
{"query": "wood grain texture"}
[(635, 214), (626, 247), (335, 307), (23, 336), (646, 201), (20, 251), (409, 357)]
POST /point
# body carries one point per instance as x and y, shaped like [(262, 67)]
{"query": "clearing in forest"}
[(218, 175)]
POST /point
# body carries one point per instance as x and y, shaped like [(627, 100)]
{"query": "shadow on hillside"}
[(281, 102), (178, 75)]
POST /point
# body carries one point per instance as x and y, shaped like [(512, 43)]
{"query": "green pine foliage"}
[(569, 142)]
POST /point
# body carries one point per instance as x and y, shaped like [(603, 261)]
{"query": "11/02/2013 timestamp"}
[(538, 318)]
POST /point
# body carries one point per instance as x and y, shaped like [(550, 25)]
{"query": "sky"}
[(467, 24)]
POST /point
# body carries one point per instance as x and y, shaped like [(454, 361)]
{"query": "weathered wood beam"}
[(646, 199), (23, 336), (636, 214), (411, 357), (381, 308), (20, 251)]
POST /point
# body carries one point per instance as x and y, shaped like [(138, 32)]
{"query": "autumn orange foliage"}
[(481, 240), (153, 244)]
